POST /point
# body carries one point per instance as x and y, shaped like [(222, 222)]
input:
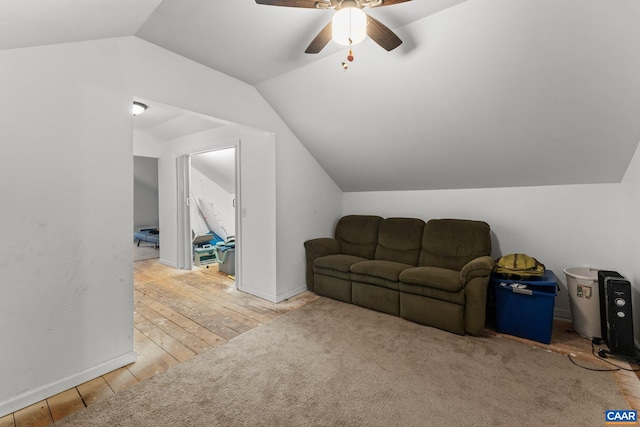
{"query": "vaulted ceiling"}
[(482, 93)]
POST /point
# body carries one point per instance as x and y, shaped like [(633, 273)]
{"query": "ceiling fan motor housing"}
[(376, 30), (339, 4)]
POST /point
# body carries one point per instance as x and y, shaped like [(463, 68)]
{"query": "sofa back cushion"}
[(400, 240), (452, 243), (358, 235)]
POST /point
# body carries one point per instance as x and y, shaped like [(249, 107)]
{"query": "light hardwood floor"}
[(179, 314)]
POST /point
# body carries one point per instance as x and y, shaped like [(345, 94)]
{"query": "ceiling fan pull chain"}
[(345, 64)]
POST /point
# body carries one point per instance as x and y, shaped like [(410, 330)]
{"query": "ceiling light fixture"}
[(349, 24), (138, 108)]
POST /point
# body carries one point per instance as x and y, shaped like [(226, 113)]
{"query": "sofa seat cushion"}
[(433, 293), (389, 270), (378, 272), (336, 265), (432, 277)]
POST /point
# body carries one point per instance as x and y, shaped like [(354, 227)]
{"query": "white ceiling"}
[(25, 23), (496, 93), (255, 42), (483, 93), (166, 124)]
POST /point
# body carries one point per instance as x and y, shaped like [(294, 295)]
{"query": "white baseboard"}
[(269, 297), (292, 293), (48, 390), (169, 263), (257, 292)]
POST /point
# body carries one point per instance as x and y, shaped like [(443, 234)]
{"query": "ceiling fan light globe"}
[(349, 26)]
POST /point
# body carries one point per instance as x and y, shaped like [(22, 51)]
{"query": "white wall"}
[(66, 309), (561, 226), (66, 287), (306, 208), (145, 145), (630, 265)]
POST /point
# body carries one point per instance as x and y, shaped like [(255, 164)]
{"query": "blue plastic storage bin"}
[(527, 310)]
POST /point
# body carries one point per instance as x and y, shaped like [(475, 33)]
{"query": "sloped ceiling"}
[(255, 42), (494, 93), (483, 93), (25, 23)]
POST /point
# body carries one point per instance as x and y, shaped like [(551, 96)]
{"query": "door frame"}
[(184, 240)]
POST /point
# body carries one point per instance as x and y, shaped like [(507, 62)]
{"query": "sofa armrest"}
[(479, 267), (475, 279), (322, 246), (316, 248)]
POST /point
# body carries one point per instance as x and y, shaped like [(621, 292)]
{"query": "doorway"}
[(210, 184), (145, 207), (174, 136)]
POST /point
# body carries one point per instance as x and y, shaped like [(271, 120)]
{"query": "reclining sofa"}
[(434, 273)]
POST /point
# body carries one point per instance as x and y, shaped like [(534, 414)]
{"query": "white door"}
[(257, 216), (185, 251)]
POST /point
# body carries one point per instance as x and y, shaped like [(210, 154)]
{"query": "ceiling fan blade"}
[(389, 2), (291, 3), (381, 34), (321, 40)]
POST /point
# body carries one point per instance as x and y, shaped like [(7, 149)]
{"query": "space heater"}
[(616, 314)]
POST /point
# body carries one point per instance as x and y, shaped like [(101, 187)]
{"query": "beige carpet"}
[(335, 364)]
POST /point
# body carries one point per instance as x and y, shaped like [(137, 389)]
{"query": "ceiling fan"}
[(376, 30)]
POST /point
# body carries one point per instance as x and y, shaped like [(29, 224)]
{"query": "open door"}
[(213, 213), (185, 257), (257, 216), (207, 190)]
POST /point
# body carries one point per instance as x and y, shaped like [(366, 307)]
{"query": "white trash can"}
[(584, 299)]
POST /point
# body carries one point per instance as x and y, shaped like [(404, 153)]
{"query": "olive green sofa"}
[(434, 273)]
